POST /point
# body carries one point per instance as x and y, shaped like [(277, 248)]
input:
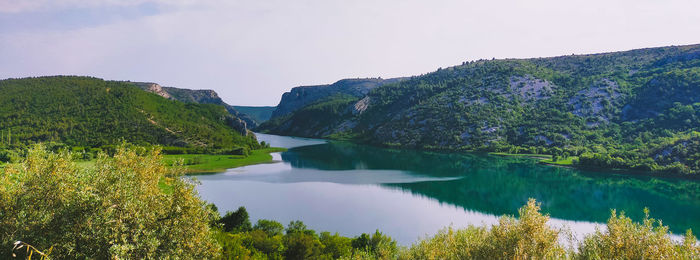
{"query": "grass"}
[(530, 155), (211, 163), (568, 161), (544, 158)]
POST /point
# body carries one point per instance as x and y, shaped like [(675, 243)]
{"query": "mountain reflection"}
[(500, 185)]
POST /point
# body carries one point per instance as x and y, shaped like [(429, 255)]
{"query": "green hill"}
[(91, 112), (636, 109), (199, 96)]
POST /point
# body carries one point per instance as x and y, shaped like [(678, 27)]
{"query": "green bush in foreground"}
[(531, 238), (114, 210), (625, 239), (526, 238)]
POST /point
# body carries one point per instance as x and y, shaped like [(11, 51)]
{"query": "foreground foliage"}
[(116, 209), (131, 206), (529, 237)]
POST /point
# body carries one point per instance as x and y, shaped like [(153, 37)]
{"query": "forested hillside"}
[(636, 109), (199, 96), (91, 112)]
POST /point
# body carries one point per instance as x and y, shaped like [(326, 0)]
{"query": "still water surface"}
[(353, 189)]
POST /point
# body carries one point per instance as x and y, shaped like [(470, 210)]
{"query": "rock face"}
[(241, 122), (302, 96), (157, 89)]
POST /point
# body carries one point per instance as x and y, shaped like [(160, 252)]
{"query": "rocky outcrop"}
[(155, 88), (361, 106), (302, 96)]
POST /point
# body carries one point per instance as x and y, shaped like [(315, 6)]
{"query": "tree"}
[(271, 227), (299, 227), (236, 221), (300, 245)]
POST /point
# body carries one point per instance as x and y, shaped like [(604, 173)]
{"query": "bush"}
[(7, 156), (527, 238), (335, 245), (378, 245), (300, 245), (113, 210), (625, 239)]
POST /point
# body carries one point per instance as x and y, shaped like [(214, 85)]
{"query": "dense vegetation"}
[(269, 239), (636, 110), (198, 96), (131, 206), (529, 237), (89, 114)]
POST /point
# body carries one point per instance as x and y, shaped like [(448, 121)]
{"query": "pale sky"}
[(251, 51)]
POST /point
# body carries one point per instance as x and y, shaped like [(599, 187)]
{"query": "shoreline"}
[(203, 164), (542, 159)]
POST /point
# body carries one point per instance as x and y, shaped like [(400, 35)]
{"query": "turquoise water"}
[(353, 189)]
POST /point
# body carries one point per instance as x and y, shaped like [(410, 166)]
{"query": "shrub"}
[(527, 238), (625, 239), (113, 210)]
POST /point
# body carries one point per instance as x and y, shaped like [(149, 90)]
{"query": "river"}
[(407, 194)]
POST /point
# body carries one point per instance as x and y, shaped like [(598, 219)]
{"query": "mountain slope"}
[(637, 109), (302, 96), (83, 111), (203, 96)]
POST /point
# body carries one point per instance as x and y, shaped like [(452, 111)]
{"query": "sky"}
[(252, 51)]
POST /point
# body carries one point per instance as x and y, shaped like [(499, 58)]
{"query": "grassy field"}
[(530, 155), (544, 158), (209, 163), (568, 161)]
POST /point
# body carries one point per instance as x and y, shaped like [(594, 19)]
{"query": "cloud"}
[(20, 6), (251, 51)]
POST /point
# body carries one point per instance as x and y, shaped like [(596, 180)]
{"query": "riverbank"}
[(212, 163), (196, 164)]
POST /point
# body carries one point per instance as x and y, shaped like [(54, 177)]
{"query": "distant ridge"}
[(302, 96), (637, 109)]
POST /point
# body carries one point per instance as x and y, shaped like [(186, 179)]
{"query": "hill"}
[(199, 96), (91, 112), (636, 109), (258, 114), (300, 97)]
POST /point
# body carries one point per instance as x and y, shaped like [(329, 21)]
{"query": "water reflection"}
[(350, 188)]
